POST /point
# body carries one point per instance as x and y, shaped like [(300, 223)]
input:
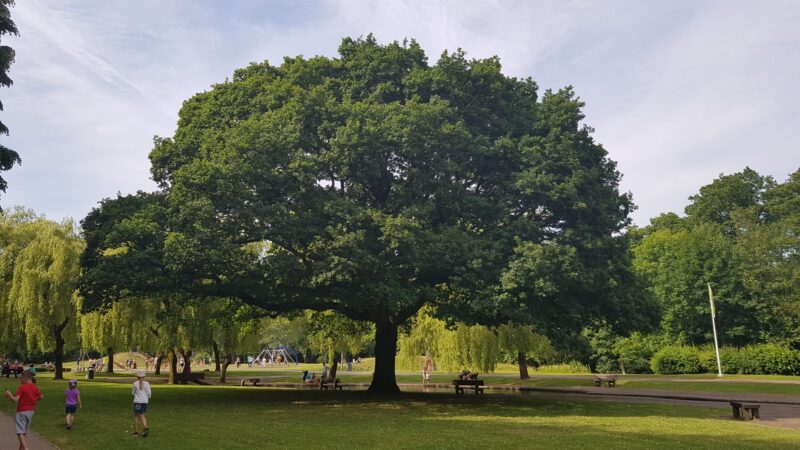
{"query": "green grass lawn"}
[(712, 385), (721, 387), (196, 417)]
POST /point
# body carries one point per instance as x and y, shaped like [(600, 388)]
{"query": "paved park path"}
[(8, 439)]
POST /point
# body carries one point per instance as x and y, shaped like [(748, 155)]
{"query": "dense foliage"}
[(762, 359), (373, 184), (741, 233), (39, 269)]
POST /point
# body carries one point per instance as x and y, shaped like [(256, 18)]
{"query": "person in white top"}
[(141, 397)]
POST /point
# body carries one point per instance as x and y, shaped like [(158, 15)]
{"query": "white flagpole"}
[(714, 327)]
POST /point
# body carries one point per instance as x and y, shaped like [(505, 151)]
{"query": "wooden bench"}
[(325, 384), (610, 381), (745, 411), (252, 381), (477, 385)]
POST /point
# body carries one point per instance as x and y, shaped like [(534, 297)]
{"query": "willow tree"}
[(234, 328), (123, 325), (43, 299), (375, 183), (16, 232), (522, 342), (331, 333), (423, 339)]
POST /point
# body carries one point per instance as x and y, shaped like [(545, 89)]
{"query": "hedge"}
[(676, 359), (761, 359)]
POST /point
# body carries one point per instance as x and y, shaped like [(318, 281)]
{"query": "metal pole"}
[(714, 327)]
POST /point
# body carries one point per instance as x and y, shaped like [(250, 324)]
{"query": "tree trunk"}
[(173, 367), (157, 362), (186, 373), (216, 355), (59, 354), (334, 365), (383, 380), (224, 371), (523, 366), (110, 365)]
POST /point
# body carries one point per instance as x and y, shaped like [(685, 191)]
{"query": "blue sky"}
[(678, 91)]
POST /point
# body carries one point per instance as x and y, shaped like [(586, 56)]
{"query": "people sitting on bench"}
[(467, 375), (312, 379)]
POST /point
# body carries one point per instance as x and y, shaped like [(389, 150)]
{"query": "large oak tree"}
[(370, 184)]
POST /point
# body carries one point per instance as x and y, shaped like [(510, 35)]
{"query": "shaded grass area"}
[(713, 385), (189, 417), (753, 384)]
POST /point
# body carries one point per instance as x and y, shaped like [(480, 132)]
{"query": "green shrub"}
[(769, 359), (676, 359), (762, 359), (570, 367), (729, 359), (636, 351)]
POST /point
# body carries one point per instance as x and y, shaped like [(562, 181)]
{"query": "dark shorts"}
[(139, 408), (71, 409)]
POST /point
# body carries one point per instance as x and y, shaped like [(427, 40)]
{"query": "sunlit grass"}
[(190, 417)]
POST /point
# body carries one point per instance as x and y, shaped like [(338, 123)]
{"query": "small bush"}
[(570, 367), (636, 351), (676, 359), (729, 359)]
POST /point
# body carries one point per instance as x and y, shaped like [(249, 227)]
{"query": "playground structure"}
[(282, 354)]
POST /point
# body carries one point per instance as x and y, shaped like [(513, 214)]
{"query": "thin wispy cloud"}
[(678, 92)]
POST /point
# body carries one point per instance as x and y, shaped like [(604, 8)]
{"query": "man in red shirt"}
[(26, 397)]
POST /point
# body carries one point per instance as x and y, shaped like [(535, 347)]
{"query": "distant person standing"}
[(426, 371), (26, 397), (32, 370), (72, 397), (141, 398)]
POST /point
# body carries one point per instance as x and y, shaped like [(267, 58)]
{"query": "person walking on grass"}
[(141, 397), (72, 397), (26, 397)]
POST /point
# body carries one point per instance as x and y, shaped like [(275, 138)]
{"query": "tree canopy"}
[(39, 269), (740, 234), (8, 157), (371, 184)]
